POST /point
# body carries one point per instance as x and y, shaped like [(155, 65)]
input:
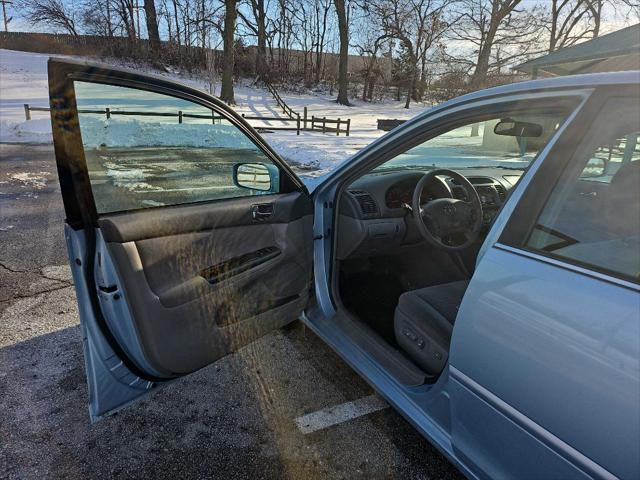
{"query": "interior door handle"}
[(261, 211)]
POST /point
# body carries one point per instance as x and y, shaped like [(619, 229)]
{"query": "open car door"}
[(188, 237)]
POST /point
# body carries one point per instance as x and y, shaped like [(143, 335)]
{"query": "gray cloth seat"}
[(423, 323)]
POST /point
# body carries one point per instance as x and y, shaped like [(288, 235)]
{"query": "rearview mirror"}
[(513, 128), (255, 176)]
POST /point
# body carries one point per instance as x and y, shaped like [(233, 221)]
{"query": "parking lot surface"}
[(274, 409)]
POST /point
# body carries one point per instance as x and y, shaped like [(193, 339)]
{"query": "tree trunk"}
[(479, 77), (152, 25), (320, 46), (203, 31), (371, 86), (109, 25), (554, 26), (226, 91), (343, 67), (262, 68), (498, 13), (596, 10), (177, 20), (412, 86), (132, 25)]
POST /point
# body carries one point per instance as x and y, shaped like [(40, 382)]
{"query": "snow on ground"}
[(23, 79)]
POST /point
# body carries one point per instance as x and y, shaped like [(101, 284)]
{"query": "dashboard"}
[(374, 218)]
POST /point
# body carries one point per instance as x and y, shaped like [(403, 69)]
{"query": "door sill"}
[(368, 342)]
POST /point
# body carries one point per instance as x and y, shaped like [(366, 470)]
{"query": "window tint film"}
[(592, 217), (145, 149)]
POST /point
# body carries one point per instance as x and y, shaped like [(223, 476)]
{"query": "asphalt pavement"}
[(257, 413)]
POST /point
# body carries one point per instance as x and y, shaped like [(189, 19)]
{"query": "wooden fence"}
[(310, 125), (286, 109), (180, 115), (315, 124)]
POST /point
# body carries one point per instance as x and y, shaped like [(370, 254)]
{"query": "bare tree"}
[(418, 25), (568, 23), (152, 24), (226, 91), (321, 12), (98, 19), (176, 20), (595, 10), (125, 9), (258, 26), (368, 43), (53, 13), (499, 32), (284, 35), (343, 66)]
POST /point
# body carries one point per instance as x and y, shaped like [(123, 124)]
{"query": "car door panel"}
[(523, 310), (522, 454), (178, 259), (184, 320)]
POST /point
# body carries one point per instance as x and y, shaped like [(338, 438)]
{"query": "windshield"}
[(476, 145)]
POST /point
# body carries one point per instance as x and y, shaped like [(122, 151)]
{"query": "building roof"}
[(616, 51)]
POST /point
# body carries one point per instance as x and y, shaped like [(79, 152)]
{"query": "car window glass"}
[(592, 217), (606, 160), (476, 144), (146, 149)]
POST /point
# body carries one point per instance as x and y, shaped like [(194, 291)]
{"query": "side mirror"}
[(595, 167), (513, 128), (255, 176)]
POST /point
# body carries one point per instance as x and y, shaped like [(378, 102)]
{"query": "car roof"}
[(589, 80)]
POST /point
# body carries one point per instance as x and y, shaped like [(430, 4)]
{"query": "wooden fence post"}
[(108, 112), (298, 125), (313, 122), (27, 113), (324, 124), (179, 116), (305, 118), (338, 128), (348, 126)]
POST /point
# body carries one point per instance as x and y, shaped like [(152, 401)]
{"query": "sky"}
[(613, 20)]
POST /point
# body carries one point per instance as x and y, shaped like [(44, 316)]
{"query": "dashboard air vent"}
[(367, 204), (501, 192)]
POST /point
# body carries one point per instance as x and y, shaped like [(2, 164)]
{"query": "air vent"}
[(501, 192), (480, 180), (367, 204)]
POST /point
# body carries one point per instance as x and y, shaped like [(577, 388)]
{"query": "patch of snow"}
[(23, 79), (129, 132), (33, 131), (31, 179)]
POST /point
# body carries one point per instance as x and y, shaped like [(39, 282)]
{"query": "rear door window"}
[(598, 226)]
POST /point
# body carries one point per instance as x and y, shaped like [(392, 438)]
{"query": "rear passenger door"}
[(545, 354), (188, 236)]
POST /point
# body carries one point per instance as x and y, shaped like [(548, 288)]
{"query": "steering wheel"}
[(442, 218)]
